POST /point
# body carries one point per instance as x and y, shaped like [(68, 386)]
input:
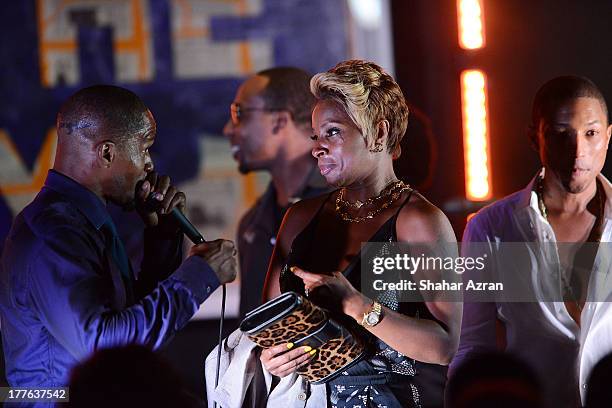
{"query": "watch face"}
[(372, 318)]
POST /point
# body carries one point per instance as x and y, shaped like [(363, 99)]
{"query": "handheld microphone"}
[(184, 224), (187, 227)]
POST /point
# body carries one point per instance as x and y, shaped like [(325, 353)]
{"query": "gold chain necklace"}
[(567, 286), (389, 188), (393, 191)]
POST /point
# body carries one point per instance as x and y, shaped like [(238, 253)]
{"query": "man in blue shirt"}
[(66, 285)]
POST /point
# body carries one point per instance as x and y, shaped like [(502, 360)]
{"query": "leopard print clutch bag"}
[(292, 318)]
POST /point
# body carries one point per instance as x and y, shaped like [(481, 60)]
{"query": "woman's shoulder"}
[(421, 221)]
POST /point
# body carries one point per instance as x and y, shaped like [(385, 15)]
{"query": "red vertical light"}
[(475, 135)]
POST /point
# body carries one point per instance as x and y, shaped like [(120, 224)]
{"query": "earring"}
[(378, 147)]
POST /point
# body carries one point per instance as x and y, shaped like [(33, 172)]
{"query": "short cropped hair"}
[(562, 89), (368, 95), (116, 110), (288, 89)]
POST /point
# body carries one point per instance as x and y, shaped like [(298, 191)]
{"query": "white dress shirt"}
[(541, 333), (239, 363)]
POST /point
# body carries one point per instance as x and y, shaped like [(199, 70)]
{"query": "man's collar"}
[(83, 199), (607, 188), (528, 196)]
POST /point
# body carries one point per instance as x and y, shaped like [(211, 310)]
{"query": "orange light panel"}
[(475, 136), (471, 24)]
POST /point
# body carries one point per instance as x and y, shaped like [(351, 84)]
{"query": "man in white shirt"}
[(569, 201)]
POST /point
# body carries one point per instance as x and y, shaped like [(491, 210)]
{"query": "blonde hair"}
[(368, 95)]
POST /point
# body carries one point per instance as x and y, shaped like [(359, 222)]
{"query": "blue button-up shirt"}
[(62, 295)]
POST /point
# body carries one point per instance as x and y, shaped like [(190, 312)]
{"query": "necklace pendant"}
[(358, 204)]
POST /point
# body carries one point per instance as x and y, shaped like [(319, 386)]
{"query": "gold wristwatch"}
[(373, 316)]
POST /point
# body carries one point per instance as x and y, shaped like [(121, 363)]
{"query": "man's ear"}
[(106, 152), (280, 120), (609, 133)]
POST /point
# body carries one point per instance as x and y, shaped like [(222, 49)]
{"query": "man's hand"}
[(220, 254), (167, 197)]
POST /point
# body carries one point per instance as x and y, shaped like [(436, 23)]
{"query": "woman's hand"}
[(281, 360), (352, 301)]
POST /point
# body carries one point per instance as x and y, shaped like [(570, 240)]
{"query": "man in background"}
[(270, 131), (564, 215)]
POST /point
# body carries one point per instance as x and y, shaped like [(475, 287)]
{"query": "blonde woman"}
[(358, 123)]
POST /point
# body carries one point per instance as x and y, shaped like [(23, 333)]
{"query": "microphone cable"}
[(220, 339), (194, 236)]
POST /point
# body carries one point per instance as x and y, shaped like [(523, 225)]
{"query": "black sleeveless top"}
[(406, 382)]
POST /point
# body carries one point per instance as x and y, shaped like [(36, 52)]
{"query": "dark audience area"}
[(494, 379), (125, 377)]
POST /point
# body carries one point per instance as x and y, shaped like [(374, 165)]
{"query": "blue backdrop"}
[(306, 33)]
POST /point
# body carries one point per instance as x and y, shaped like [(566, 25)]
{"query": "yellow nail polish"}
[(292, 269), (313, 352), (307, 349), (289, 346)]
